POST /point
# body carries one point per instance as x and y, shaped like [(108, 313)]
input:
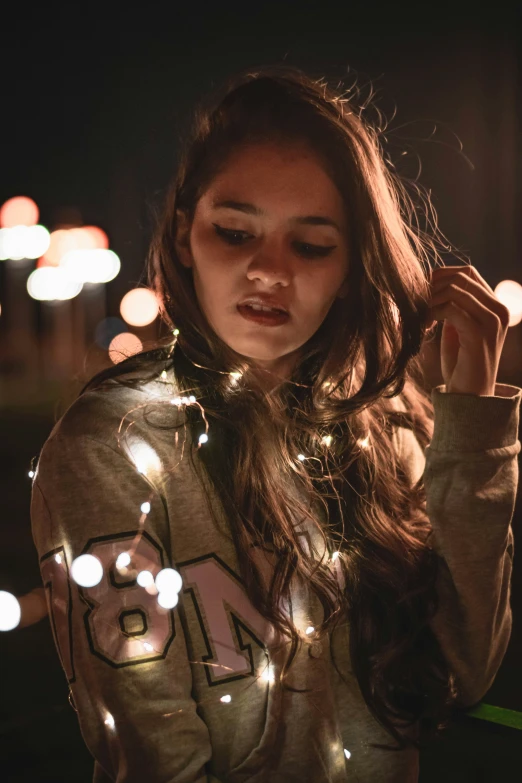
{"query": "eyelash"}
[(317, 251)]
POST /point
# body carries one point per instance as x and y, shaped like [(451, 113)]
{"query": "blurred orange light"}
[(124, 345), (97, 236), (19, 211), (139, 307), (62, 241)]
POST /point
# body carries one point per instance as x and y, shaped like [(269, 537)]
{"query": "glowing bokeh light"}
[(226, 699), (97, 237), (509, 292), (347, 753), (109, 721), (145, 507), (90, 266), (123, 560), (268, 674), (124, 345), (10, 611), (23, 242), (48, 283), (87, 570), (168, 600), (139, 307), (19, 211), (145, 578), (168, 580)]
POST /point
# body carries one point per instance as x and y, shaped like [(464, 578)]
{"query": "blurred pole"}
[(22, 348)]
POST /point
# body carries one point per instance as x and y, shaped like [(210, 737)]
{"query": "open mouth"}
[(264, 317)]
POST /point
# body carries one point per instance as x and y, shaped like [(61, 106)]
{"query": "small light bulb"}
[(168, 600), (335, 555), (168, 580), (310, 629), (268, 674), (203, 438), (227, 698), (301, 457), (164, 374), (176, 331), (58, 559), (192, 398), (31, 474), (145, 578), (148, 646), (87, 570), (123, 560), (347, 753), (109, 720), (145, 507)]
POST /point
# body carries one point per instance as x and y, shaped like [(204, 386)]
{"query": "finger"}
[(458, 282), (470, 271), (471, 305), (466, 325)]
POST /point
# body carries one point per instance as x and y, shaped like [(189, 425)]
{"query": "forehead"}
[(286, 176)]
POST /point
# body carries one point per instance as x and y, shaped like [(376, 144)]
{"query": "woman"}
[(340, 540)]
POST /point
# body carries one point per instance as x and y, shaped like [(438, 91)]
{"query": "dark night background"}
[(93, 104)]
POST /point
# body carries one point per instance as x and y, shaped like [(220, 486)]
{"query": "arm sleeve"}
[(125, 657), (471, 478)]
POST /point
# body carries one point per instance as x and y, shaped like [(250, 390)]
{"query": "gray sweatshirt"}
[(191, 692)]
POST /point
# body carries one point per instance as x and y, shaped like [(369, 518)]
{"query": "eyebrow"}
[(251, 209)]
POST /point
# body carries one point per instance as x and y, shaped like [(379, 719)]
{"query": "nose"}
[(270, 269)]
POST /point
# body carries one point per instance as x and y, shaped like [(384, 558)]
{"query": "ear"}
[(182, 238)]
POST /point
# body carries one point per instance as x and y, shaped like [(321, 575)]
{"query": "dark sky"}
[(93, 106)]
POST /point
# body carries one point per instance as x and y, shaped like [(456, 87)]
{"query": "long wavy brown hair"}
[(365, 353)]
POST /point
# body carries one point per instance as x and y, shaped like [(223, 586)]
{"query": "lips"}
[(264, 301)]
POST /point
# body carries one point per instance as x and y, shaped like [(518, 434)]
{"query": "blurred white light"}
[(203, 438), (145, 507), (58, 559), (87, 570), (109, 720), (509, 292), (48, 282), (123, 560), (268, 674), (148, 646), (310, 629), (23, 242), (139, 307), (347, 753), (335, 555), (145, 578), (91, 265), (168, 600), (226, 699), (10, 611), (31, 474), (301, 457), (168, 580)]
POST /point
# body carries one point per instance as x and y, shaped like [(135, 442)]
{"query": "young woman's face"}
[(262, 245)]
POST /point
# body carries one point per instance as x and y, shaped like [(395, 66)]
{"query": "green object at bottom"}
[(497, 715)]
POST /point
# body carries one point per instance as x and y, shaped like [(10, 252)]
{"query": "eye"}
[(233, 237), (229, 234)]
